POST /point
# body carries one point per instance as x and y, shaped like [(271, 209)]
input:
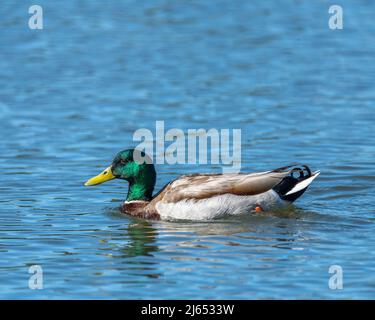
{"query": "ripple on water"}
[(191, 70)]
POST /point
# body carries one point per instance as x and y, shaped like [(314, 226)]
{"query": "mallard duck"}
[(204, 196)]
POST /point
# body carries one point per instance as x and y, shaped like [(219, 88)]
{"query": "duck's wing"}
[(201, 186)]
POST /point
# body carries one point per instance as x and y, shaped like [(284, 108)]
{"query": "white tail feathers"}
[(304, 183)]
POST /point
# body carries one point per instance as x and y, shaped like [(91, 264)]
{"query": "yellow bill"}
[(106, 175)]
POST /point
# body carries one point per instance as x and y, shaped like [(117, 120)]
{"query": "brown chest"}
[(139, 209)]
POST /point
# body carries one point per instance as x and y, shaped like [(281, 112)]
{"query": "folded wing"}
[(201, 186)]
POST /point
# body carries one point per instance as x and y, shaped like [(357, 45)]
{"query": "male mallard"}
[(204, 196)]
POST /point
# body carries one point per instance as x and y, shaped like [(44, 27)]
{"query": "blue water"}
[(72, 95)]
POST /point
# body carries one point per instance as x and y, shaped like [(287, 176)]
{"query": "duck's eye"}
[(122, 161)]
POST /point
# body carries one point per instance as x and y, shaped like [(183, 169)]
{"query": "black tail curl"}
[(297, 174)]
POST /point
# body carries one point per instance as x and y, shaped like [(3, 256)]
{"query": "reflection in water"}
[(142, 239), (278, 229), (261, 230)]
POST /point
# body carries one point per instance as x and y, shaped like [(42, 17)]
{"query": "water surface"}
[(72, 94)]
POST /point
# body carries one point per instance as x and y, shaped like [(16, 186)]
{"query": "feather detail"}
[(217, 206), (202, 186)]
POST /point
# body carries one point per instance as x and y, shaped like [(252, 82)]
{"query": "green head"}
[(133, 166)]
